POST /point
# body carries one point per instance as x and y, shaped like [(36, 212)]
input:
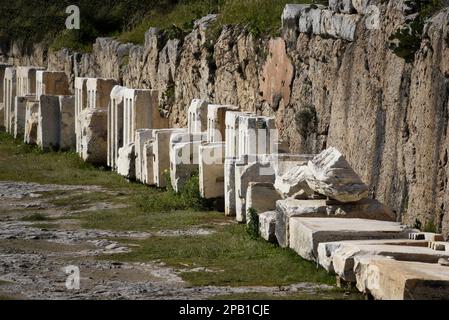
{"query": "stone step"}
[(305, 234), (339, 257), (389, 279)]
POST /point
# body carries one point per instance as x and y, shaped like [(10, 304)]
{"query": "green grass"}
[(237, 259), (35, 217), (260, 17), (133, 219)]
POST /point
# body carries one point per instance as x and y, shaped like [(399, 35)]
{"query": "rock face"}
[(387, 115), (332, 176)]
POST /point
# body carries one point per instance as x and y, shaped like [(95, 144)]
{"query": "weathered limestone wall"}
[(335, 83)]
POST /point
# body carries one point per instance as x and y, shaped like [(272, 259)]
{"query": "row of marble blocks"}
[(36, 104)]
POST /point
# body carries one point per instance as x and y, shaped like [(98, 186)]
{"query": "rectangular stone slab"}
[(326, 250), (211, 170), (67, 137), (388, 279), (307, 233), (343, 256)]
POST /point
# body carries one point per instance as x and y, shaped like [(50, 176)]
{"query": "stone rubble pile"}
[(316, 205)]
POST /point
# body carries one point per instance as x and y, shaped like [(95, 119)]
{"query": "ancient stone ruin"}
[(318, 204)]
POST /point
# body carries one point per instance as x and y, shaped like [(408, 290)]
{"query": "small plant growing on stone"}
[(306, 121), (430, 226), (417, 225), (252, 226)]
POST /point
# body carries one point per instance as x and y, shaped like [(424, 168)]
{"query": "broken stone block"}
[(261, 197), (19, 115), (346, 26), (332, 176), (115, 125), (10, 92), (80, 105), (281, 163), (307, 233), (439, 245), (216, 122), (257, 135), (229, 187), (26, 81), (161, 151), (290, 17), (294, 181), (278, 164), (197, 116), (365, 209), (3, 67), (388, 279), (67, 136), (94, 123), (93, 118), (142, 137), (267, 225), (429, 236), (31, 122), (315, 20), (285, 210), (141, 111), (52, 83), (244, 174), (184, 157), (148, 163), (362, 6), (48, 129), (211, 170), (126, 161)]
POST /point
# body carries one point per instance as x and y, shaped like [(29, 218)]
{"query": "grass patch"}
[(234, 257), (238, 260), (35, 217), (47, 226)]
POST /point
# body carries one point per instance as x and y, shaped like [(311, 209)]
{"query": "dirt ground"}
[(34, 255)]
